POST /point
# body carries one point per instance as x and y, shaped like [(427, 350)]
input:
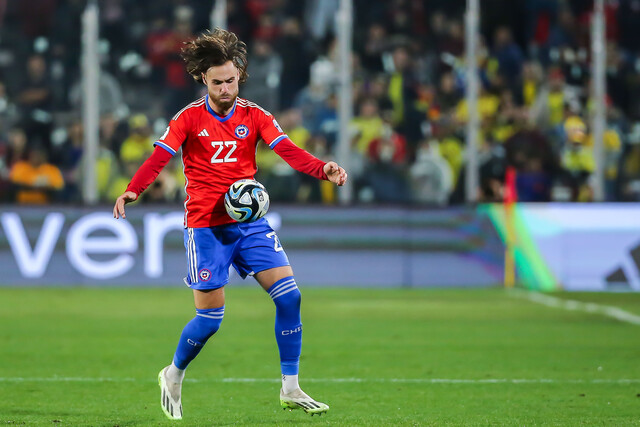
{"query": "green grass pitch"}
[(79, 356)]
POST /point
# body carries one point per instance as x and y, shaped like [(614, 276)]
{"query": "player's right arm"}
[(143, 177), (166, 147)]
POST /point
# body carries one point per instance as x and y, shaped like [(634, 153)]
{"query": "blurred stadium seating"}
[(408, 89)]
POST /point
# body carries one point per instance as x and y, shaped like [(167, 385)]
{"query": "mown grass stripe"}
[(343, 380)]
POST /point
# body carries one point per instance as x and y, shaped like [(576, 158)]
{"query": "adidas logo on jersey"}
[(203, 132)]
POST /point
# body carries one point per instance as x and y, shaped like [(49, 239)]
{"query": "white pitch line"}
[(341, 380), (572, 305)]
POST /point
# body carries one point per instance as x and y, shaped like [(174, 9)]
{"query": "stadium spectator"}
[(109, 93), (448, 94), (430, 175), (612, 142), (35, 100), (16, 147), (315, 99), (69, 155), (628, 180), (107, 165), (385, 172), (35, 180), (138, 145), (113, 132), (265, 69), (156, 44), (375, 46), (492, 171), (294, 51), (530, 152), (266, 29), (389, 147), (508, 54), (115, 27), (368, 124), (237, 19), (403, 95), (65, 48), (577, 160), (12, 150), (320, 17), (548, 110), (530, 83), (178, 86), (621, 83), (8, 110), (564, 34), (628, 22)]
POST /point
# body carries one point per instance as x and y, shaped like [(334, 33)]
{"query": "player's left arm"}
[(299, 159), (303, 161)]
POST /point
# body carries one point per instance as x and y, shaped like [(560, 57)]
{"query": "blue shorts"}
[(250, 247)]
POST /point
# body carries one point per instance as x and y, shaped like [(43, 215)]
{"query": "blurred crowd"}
[(408, 128)]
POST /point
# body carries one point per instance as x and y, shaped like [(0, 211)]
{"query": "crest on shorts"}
[(242, 131), (204, 275)]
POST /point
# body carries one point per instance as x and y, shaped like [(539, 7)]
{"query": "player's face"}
[(222, 85)]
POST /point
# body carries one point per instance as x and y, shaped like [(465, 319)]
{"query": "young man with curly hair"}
[(218, 135)]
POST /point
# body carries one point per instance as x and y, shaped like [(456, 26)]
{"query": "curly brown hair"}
[(212, 49)]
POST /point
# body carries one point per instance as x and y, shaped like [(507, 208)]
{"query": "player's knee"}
[(209, 321), (285, 293), (289, 301)]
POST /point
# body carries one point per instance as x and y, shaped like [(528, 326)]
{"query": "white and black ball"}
[(246, 200)]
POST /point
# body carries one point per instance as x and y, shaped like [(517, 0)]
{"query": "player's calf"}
[(196, 333), (288, 327), (194, 336)]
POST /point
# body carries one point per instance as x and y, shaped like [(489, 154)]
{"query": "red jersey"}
[(216, 152)]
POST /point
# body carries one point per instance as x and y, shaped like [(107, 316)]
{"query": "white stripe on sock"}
[(281, 285), (209, 316), (284, 291)]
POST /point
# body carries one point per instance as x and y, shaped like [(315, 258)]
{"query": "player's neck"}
[(218, 110)]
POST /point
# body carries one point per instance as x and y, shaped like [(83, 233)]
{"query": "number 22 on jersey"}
[(220, 146)]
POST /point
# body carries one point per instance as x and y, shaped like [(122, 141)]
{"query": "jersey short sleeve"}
[(270, 130), (175, 134)]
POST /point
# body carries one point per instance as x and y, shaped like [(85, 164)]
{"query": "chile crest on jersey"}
[(241, 131)]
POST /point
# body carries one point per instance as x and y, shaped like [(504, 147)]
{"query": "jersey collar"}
[(216, 115)]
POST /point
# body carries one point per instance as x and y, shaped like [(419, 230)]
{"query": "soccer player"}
[(218, 135)]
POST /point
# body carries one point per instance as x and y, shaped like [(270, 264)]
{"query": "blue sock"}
[(196, 334), (286, 296)]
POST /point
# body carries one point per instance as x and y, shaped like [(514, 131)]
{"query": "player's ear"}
[(204, 78)]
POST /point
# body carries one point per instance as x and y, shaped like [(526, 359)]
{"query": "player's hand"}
[(335, 173), (118, 208)]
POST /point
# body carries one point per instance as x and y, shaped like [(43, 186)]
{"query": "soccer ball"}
[(246, 200)]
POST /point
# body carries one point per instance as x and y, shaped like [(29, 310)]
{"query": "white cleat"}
[(170, 399), (299, 399)]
